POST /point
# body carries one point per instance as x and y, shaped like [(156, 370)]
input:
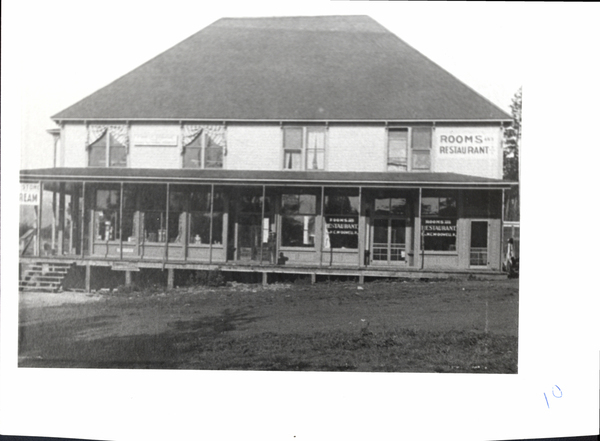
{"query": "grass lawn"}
[(442, 326)]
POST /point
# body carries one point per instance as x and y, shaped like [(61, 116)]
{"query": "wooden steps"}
[(40, 276)]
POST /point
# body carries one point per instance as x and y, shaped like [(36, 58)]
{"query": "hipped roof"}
[(288, 68), (261, 177)]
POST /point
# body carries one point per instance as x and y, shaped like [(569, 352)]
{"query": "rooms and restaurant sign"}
[(439, 227), (29, 194), (471, 143)]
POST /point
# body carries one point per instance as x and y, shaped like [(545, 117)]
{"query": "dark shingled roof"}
[(199, 176), (288, 68)]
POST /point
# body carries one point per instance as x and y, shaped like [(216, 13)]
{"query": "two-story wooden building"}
[(319, 145)]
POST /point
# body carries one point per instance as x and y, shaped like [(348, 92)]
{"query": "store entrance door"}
[(389, 240), (479, 244), (253, 239)]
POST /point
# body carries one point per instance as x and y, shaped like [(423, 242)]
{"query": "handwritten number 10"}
[(554, 393)]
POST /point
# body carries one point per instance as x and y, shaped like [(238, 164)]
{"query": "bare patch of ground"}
[(450, 326)]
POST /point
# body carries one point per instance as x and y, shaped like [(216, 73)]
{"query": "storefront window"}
[(200, 218), (439, 214), (298, 220), (129, 221), (341, 219), (177, 213), (153, 203), (106, 214)]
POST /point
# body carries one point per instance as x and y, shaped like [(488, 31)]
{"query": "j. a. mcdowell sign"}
[(467, 143)]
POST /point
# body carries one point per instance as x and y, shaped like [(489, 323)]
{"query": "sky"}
[(55, 53), (64, 57)]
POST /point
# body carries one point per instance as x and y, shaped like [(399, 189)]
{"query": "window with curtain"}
[(397, 150), (107, 151), (421, 148), (304, 148), (203, 146)]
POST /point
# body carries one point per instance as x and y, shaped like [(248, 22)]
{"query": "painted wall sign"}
[(29, 194), (125, 266), (466, 143), (156, 140), (439, 227), (342, 225)]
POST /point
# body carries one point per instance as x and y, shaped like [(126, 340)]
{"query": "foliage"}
[(212, 278), (512, 140)]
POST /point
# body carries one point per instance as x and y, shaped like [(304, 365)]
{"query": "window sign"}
[(30, 194), (341, 232), (439, 227)]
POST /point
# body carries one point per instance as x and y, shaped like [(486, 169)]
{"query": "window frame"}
[(204, 141), (441, 216), (108, 151), (305, 148), (420, 150), (406, 165), (309, 218)]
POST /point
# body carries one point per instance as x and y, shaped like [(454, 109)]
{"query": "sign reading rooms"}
[(466, 144)]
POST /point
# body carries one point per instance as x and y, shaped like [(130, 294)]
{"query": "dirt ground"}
[(327, 326)]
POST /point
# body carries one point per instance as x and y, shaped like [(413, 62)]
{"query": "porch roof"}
[(262, 177)]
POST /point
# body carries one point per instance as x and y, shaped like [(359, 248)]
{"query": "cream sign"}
[(29, 194), (466, 143)]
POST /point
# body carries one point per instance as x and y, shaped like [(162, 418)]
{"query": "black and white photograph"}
[(275, 196)]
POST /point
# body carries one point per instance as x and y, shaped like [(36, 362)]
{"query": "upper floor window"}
[(304, 148), (409, 149), (397, 150), (421, 148), (203, 146), (107, 151)]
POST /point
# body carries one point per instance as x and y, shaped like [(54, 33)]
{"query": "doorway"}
[(389, 240), (479, 244)]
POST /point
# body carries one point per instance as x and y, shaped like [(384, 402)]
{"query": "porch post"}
[(75, 224), (422, 240), (166, 235), (262, 220), (361, 242), (121, 223), (502, 232), (323, 225), (210, 233), (53, 221), (88, 277), (38, 226), (61, 218), (83, 225)]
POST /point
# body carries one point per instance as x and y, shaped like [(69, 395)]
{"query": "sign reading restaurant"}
[(439, 227), (29, 194), (466, 143)]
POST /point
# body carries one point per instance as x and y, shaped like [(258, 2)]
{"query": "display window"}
[(298, 214), (341, 219), (438, 224), (200, 217)]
